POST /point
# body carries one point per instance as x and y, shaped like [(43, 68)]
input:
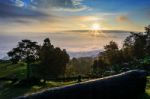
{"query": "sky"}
[(61, 15)]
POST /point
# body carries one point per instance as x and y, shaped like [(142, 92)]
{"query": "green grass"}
[(12, 70), (9, 91)]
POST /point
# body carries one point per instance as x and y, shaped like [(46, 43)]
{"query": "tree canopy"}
[(50, 61), (135, 47), (53, 61), (26, 51)]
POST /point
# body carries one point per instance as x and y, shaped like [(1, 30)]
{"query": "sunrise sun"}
[(95, 27)]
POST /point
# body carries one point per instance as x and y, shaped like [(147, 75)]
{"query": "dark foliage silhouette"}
[(26, 51), (52, 61)]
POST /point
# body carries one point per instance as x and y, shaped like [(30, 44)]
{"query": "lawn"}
[(7, 69), (9, 91)]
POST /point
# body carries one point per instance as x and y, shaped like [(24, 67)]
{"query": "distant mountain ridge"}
[(93, 53), (106, 31)]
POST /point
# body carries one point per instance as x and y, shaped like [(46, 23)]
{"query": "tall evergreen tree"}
[(52, 61)]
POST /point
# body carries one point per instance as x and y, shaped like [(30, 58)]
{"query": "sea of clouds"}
[(77, 44)]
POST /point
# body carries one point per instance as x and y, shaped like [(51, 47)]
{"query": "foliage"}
[(135, 53), (79, 66), (42, 61), (109, 57), (26, 51), (52, 61)]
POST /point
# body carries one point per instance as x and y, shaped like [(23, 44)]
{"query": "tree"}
[(99, 67), (111, 46), (52, 61), (128, 48), (79, 66), (112, 54), (106, 59), (135, 47), (26, 51), (147, 29), (135, 43)]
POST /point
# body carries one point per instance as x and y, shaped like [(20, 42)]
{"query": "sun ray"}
[(95, 26), (96, 30)]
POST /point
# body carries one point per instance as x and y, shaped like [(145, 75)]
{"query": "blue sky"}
[(58, 15)]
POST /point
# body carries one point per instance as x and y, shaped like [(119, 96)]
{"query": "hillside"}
[(18, 70)]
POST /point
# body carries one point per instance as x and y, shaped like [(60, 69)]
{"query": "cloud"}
[(60, 5), (88, 18), (24, 11), (122, 18), (12, 11), (37, 8)]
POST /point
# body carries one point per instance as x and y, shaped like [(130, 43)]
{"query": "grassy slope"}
[(12, 70), (9, 91)]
